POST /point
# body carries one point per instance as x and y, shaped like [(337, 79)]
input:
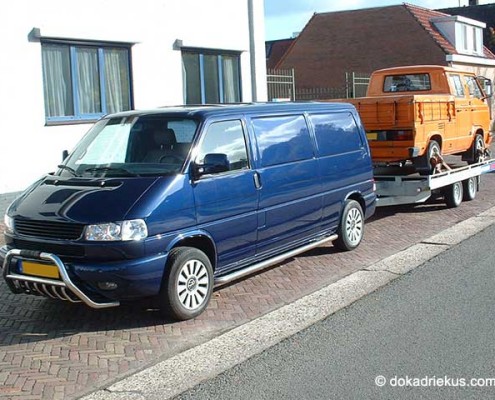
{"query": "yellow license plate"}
[(38, 269), (372, 135)]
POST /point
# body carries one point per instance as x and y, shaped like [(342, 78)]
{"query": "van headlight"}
[(135, 229), (9, 223)]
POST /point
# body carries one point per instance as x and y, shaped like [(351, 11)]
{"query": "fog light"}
[(107, 285)]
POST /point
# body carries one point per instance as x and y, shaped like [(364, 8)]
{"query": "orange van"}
[(411, 113)]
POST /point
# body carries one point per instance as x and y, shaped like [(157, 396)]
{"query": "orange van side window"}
[(474, 89), (456, 83)]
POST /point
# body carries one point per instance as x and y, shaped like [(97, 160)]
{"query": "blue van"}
[(170, 202)]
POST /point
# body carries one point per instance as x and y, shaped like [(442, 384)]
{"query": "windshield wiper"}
[(113, 169), (67, 168)]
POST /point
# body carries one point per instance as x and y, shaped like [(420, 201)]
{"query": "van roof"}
[(204, 111), (418, 68)]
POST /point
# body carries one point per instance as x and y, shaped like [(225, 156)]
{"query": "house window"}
[(84, 82), (211, 77), (464, 38), (470, 40), (475, 41)]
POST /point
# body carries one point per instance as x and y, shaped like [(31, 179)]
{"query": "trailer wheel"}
[(351, 227), (470, 187), (453, 195)]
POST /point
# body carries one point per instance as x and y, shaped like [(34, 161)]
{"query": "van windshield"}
[(132, 146)]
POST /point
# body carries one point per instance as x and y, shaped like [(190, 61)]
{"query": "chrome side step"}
[(221, 280)]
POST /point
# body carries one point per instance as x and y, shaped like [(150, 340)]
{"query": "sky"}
[(285, 17)]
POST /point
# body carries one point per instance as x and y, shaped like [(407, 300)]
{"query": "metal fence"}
[(281, 84), (356, 84), (282, 87), (320, 93)]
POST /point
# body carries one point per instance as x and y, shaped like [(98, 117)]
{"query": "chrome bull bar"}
[(63, 289)]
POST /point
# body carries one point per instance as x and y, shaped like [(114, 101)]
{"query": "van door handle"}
[(257, 180)]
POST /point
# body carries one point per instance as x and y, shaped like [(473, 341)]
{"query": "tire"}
[(478, 149), (424, 166), (351, 228), (453, 195), (470, 187), (187, 284)]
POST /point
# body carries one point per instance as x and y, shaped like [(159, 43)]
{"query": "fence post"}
[(347, 85), (293, 76)]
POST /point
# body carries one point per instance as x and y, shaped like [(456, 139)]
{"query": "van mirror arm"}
[(197, 171)]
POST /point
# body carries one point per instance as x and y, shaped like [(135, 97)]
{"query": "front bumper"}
[(78, 282), (63, 288)]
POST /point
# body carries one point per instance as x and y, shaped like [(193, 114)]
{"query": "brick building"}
[(334, 43)]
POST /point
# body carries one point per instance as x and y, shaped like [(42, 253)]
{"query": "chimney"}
[(473, 2)]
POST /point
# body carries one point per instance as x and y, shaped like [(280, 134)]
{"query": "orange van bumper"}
[(393, 151)]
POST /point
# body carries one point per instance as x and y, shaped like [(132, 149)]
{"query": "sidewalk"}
[(54, 350)]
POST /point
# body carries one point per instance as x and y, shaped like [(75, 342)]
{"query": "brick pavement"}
[(54, 350)]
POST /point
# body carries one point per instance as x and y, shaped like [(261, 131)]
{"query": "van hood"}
[(81, 200)]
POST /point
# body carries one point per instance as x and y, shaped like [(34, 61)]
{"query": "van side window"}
[(282, 139), (224, 146), (336, 133), (456, 83), (474, 89)]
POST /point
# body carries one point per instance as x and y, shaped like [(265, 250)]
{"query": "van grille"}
[(51, 230)]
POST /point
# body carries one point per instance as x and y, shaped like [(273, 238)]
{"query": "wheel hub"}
[(192, 283)]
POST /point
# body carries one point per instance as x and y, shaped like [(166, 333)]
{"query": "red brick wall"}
[(332, 44)]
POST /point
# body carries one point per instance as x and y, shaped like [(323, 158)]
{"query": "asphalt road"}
[(426, 335)]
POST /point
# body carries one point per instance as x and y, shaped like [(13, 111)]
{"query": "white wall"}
[(28, 148)]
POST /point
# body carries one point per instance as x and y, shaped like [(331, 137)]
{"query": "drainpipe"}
[(252, 50)]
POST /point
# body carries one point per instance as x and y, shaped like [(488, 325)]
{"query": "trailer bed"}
[(403, 186)]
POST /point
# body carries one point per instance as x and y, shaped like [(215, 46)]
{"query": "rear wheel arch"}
[(359, 198), (437, 138)]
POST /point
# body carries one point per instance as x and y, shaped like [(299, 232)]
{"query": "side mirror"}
[(213, 163), (488, 87), (486, 84), (65, 154)]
